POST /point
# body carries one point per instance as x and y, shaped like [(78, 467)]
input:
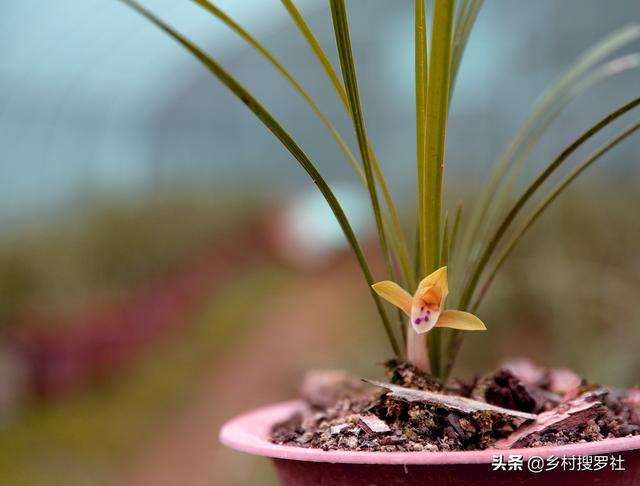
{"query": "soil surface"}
[(520, 405)]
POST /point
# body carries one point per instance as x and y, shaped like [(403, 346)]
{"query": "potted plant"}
[(422, 427)]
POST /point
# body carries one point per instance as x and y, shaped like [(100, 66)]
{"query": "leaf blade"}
[(288, 142), (532, 188), (233, 25), (421, 82), (347, 65), (531, 131), (437, 109), (397, 238), (548, 200), (465, 20), (304, 28)]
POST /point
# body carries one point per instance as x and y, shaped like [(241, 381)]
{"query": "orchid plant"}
[(496, 224)]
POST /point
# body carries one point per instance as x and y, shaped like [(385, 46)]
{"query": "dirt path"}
[(292, 336)]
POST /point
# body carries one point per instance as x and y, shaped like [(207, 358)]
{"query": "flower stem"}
[(417, 349)]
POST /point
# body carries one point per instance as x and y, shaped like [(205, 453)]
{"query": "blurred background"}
[(164, 263)]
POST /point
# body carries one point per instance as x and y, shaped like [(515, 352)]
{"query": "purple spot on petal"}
[(418, 320)]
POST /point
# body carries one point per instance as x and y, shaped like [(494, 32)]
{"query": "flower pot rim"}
[(249, 433)]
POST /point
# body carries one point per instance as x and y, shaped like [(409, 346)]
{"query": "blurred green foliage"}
[(106, 250), (88, 439)]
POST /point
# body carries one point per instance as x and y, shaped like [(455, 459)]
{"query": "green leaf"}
[(212, 9), (533, 187), (598, 74), (398, 238), (465, 19), (298, 19), (551, 197), (289, 143), (435, 336), (437, 108), (421, 75), (456, 338), (394, 228), (343, 43), (573, 82)]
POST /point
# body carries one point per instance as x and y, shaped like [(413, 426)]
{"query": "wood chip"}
[(304, 439), (462, 404), (336, 429), (566, 416), (373, 425), (393, 440)]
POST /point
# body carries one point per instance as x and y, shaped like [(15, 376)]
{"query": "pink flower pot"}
[(298, 466)]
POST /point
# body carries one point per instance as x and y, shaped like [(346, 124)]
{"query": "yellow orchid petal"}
[(438, 278), (465, 321), (393, 293)]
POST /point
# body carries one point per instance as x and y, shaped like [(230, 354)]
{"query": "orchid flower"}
[(426, 306)]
